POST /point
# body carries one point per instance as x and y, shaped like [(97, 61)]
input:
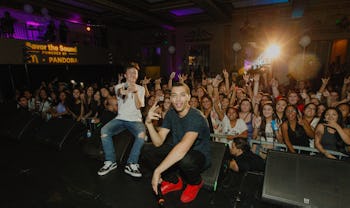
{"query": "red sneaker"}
[(167, 187), (190, 192)]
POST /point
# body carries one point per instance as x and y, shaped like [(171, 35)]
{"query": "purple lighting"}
[(75, 18), (32, 23), (186, 11), (158, 51), (168, 27)]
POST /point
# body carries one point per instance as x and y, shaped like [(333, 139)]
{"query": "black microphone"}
[(160, 197), (125, 88)]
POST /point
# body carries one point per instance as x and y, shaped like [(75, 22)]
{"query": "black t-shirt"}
[(249, 161), (194, 121)]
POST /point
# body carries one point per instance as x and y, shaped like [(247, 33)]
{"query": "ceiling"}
[(139, 14)]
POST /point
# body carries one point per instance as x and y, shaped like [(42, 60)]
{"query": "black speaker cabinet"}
[(20, 125), (211, 175), (306, 181), (56, 132)]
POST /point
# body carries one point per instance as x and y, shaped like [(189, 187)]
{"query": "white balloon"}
[(44, 11), (305, 41), (236, 46), (171, 49), (28, 8)]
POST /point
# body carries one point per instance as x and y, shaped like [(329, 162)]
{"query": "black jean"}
[(189, 167)]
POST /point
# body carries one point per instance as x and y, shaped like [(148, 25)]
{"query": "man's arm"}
[(159, 137)]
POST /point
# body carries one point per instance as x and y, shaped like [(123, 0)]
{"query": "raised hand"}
[(246, 78), (158, 81), (217, 81), (152, 114), (120, 77), (182, 77), (257, 122), (172, 75), (303, 94), (274, 83), (325, 80), (257, 99), (301, 121), (146, 81)]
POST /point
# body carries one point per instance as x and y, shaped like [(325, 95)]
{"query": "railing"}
[(276, 144)]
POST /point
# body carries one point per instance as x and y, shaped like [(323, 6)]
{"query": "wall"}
[(274, 24)]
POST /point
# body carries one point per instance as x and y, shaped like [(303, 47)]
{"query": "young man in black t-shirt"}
[(189, 150), (244, 159)]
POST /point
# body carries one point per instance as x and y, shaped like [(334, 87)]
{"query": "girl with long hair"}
[(330, 134)]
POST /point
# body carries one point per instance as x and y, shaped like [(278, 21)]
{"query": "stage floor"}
[(36, 175)]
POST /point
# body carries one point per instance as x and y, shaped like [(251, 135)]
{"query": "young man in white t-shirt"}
[(130, 100)]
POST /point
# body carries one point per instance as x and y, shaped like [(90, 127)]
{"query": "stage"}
[(36, 175)]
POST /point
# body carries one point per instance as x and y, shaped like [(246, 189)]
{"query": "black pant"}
[(189, 167)]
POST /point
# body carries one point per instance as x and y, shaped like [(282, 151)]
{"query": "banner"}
[(50, 53)]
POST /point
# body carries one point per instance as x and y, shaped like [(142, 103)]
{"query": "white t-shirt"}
[(238, 129), (127, 110)]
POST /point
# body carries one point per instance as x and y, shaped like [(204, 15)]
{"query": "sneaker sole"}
[(104, 173), (133, 174)]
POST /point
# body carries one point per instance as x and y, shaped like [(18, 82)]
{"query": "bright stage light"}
[(88, 28), (273, 51)]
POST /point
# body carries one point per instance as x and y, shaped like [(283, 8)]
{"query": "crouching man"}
[(187, 153)]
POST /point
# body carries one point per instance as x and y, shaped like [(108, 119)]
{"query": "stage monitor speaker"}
[(58, 131), (212, 174), (20, 125), (306, 181)]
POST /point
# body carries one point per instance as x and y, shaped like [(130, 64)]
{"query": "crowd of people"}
[(252, 106)]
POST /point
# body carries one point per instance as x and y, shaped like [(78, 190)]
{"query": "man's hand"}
[(152, 115), (156, 179), (132, 88)]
